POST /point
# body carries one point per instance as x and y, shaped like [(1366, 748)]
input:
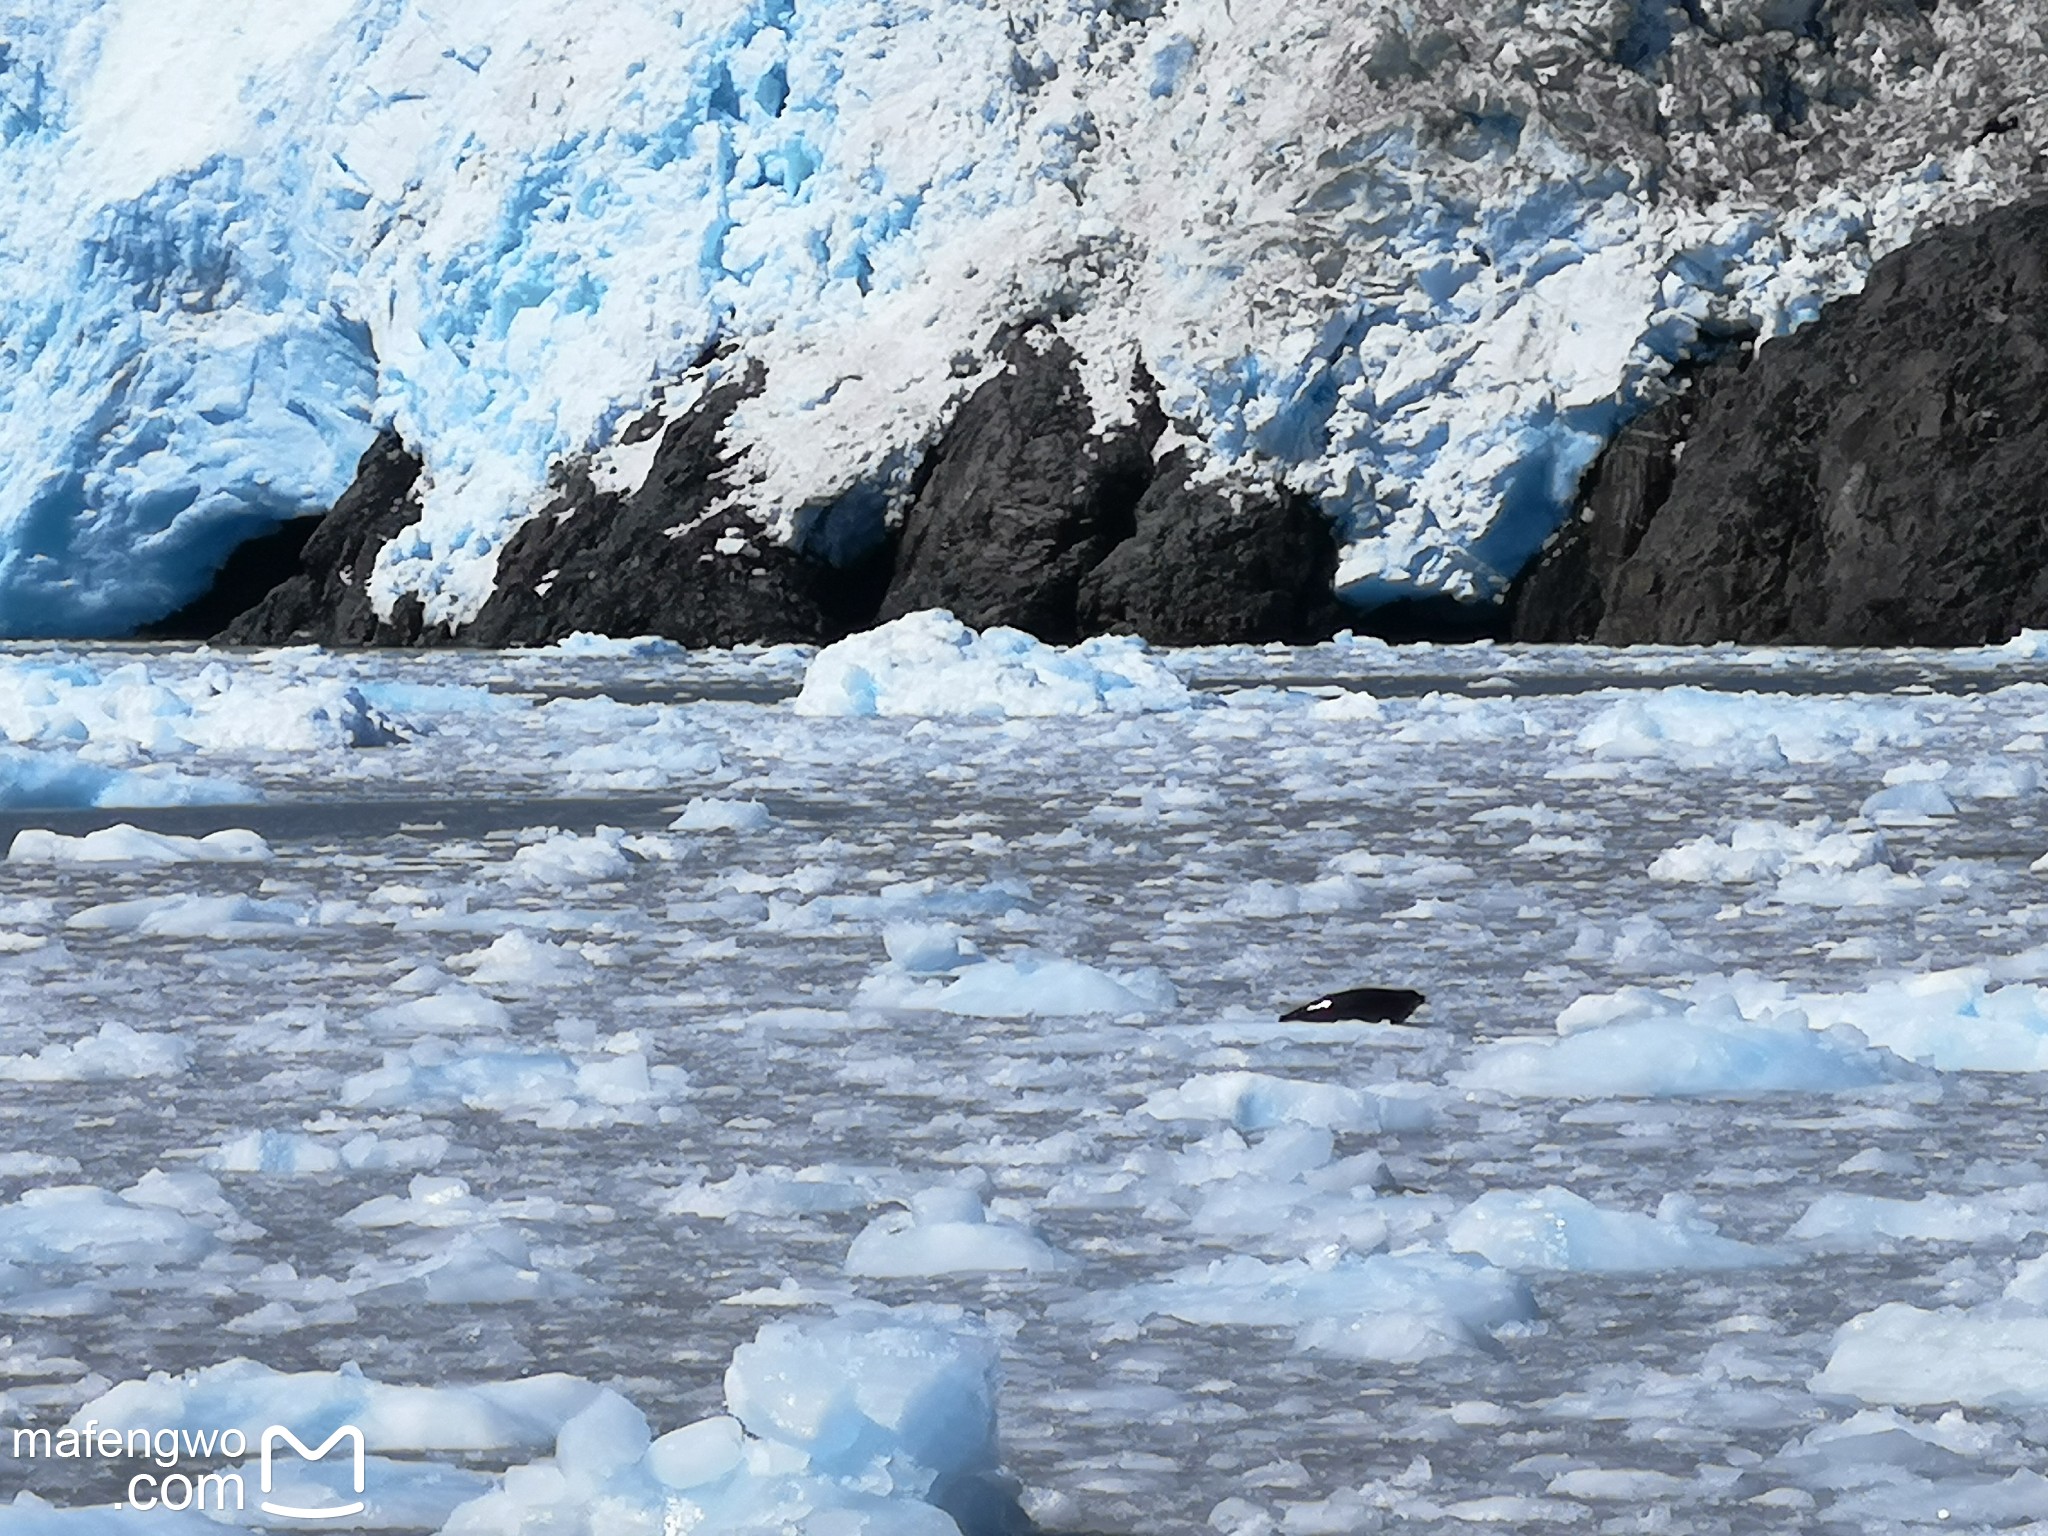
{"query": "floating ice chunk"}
[(1638, 943), (1952, 1021), (722, 816), (771, 1191), (1845, 1222), (517, 959), (1678, 1056), (1764, 850), (289, 1153), (947, 1231), (1031, 985), (1255, 1101), (116, 1053), (665, 753), (555, 1089), (293, 1154), (1553, 1229), (1286, 1191), (1913, 803), (1397, 1307), (845, 1425), (706, 1452), (914, 1389), (240, 1394), (82, 1224), (1027, 985), (930, 664), (195, 917), (125, 844), (564, 859), (35, 1165), (1989, 1356), (583, 643), (54, 778), (453, 1007), (1269, 898), (482, 1265), (1697, 727), (925, 948)]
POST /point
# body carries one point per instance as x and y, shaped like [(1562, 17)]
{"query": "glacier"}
[(1415, 260)]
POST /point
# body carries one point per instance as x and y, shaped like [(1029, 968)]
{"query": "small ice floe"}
[(1910, 803), (196, 917), (871, 1421), (926, 949), (295, 1154), (611, 1082), (125, 844), (658, 756), (52, 778), (1839, 1222), (115, 1053), (1752, 851), (490, 1417), (947, 1230), (702, 815), (1258, 1101), (473, 1251), (517, 960), (584, 643), (772, 1191), (930, 664), (1400, 1307), (1718, 1036), (564, 860), (1285, 1192), (452, 1007), (1726, 732), (1554, 1229), (1025, 985), (1992, 1355)]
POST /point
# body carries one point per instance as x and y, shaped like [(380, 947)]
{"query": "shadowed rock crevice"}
[(327, 599), (1212, 563), (1879, 478), (260, 564)]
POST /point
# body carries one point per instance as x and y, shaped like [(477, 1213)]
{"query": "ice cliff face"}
[(1414, 260)]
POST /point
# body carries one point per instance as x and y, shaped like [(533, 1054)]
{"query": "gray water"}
[(1108, 1428)]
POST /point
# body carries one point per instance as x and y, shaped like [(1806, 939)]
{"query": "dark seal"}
[(1371, 1005)]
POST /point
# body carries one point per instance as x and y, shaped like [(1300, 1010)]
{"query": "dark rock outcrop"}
[(327, 601), (1204, 566), (660, 560), (1020, 499), (1026, 515), (1563, 595), (1878, 478), (1022, 514)]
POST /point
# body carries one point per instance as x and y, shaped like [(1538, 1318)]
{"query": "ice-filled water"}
[(599, 1038)]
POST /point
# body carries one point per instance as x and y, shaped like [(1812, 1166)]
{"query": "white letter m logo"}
[(348, 1432)]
